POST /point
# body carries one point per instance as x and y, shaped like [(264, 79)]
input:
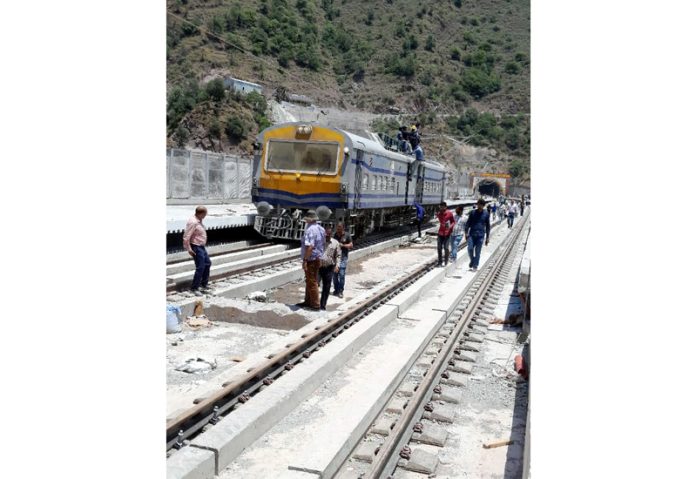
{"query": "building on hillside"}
[(299, 99), (242, 86)]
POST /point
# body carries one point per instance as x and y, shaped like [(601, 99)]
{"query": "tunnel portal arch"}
[(489, 187)]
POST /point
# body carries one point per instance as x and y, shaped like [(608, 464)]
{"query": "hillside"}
[(461, 67)]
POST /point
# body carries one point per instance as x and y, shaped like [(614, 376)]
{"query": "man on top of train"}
[(311, 251)]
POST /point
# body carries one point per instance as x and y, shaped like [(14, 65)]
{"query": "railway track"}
[(457, 340), (233, 395)]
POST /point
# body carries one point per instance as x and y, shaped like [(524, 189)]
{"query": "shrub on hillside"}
[(456, 54), (181, 136), (479, 83), (215, 89), (512, 68), (430, 43), (404, 67), (516, 168), (235, 129)]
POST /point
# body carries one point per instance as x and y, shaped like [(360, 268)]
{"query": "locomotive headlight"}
[(344, 187), (346, 150), (304, 130)]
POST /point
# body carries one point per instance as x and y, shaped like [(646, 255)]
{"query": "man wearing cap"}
[(477, 226), (311, 252)]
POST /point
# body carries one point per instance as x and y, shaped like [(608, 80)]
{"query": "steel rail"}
[(388, 455)]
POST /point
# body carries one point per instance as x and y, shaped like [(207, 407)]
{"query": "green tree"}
[(235, 129), (215, 89), (517, 168), (430, 43), (181, 136)]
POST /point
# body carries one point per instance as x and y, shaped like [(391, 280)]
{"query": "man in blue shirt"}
[(477, 226), (420, 213), (311, 252)]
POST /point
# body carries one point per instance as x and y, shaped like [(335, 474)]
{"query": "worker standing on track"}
[(195, 239), (311, 251), (446, 219), (477, 226), (512, 212), (329, 266), (346, 242)]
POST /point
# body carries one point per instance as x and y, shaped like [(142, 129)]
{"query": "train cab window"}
[(319, 158)]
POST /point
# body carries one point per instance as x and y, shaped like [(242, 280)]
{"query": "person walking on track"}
[(446, 219), (478, 226), (195, 239)]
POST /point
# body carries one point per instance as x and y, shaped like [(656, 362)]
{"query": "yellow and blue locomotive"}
[(343, 176)]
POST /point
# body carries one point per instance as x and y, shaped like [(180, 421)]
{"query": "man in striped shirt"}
[(195, 238)]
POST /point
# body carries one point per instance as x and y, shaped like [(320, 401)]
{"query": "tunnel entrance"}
[(489, 187)]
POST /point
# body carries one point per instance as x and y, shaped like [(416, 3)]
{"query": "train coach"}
[(343, 176)]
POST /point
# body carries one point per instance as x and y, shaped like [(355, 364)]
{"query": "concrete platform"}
[(219, 216)]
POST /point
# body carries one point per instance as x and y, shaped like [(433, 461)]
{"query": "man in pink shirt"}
[(195, 238), (446, 219)]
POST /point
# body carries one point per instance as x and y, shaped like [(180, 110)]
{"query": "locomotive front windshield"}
[(302, 156)]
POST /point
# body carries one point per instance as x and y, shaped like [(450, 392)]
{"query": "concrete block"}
[(432, 351), (191, 463), (442, 413), (425, 361), (468, 356), (422, 461), (480, 329), (471, 346), (402, 473), (366, 451), (407, 389), (461, 367), (456, 379), (475, 337), (432, 434), (383, 426), (449, 394), (396, 406), (238, 430)]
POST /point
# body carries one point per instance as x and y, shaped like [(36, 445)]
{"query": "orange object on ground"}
[(521, 367)]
